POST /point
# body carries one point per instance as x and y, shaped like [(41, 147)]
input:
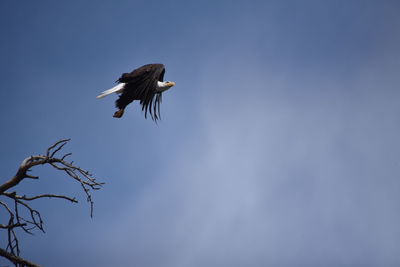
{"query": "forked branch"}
[(21, 214)]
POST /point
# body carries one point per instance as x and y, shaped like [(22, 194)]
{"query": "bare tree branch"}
[(8, 226), (24, 197), (25, 217), (16, 260)]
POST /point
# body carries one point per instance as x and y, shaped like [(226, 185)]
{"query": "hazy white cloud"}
[(276, 179)]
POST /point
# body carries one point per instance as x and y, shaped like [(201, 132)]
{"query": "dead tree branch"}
[(18, 261), (22, 215)]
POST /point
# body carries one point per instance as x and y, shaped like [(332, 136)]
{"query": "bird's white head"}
[(164, 86)]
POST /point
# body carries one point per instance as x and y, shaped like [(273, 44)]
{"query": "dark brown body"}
[(141, 85)]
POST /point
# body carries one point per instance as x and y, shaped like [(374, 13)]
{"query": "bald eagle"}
[(145, 84)]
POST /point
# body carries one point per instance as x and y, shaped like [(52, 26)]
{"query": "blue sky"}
[(277, 147)]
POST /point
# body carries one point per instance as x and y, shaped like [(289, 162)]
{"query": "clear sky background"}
[(279, 145)]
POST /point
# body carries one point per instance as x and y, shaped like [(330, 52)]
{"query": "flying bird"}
[(145, 84)]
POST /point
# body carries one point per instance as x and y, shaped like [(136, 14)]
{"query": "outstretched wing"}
[(141, 85), (155, 70)]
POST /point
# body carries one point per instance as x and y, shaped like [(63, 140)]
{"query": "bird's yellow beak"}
[(171, 84)]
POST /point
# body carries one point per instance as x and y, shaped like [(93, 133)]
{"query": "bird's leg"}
[(119, 113)]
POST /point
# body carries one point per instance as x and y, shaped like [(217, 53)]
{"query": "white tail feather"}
[(117, 89)]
